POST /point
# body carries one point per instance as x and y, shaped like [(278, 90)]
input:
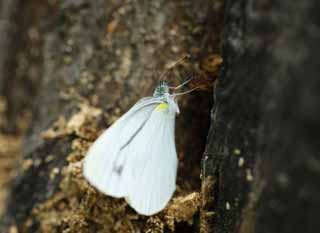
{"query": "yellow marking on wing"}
[(162, 107)]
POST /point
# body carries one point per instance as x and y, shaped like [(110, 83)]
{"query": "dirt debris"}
[(77, 207)]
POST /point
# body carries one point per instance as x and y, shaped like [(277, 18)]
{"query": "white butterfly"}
[(136, 157)]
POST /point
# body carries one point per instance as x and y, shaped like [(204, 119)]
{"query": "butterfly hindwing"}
[(151, 166)]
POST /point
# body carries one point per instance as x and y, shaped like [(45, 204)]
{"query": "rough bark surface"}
[(263, 148), (99, 58), (8, 46), (232, 142), (290, 158), (260, 167)]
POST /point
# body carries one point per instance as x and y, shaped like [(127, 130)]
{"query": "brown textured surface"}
[(89, 61), (98, 59)]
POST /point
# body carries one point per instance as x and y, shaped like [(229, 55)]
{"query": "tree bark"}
[(289, 143), (263, 148), (8, 50), (99, 59), (260, 165)]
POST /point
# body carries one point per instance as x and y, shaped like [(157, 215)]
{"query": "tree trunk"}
[(99, 59), (263, 146), (260, 162)]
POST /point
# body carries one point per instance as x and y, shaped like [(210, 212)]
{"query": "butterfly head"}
[(161, 89), (169, 103)]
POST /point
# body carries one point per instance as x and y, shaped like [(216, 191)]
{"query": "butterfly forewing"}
[(103, 164)]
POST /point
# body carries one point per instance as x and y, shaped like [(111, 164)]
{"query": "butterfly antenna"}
[(186, 92), (182, 84), (178, 62)]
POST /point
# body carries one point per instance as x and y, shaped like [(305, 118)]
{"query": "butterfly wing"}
[(103, 163), (150, 170)]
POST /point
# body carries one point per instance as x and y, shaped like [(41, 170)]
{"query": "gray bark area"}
[(267, 107), (289, 145), (260, 166), (8, 44)]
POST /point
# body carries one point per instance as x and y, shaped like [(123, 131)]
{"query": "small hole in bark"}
[(184, 227)]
